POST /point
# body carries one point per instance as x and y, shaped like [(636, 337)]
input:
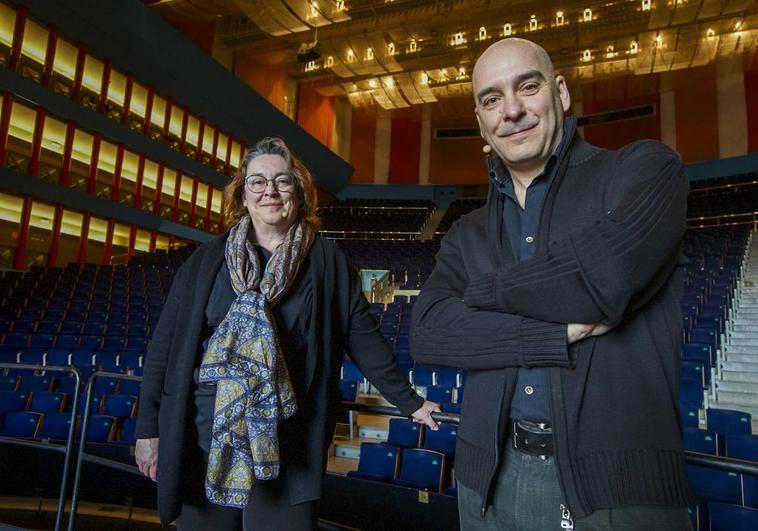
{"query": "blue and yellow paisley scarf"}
[(254, 392)]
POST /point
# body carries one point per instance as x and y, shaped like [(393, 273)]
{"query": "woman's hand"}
[(146, 454), (423, 415)]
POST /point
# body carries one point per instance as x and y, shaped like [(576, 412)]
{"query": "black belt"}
[(532, 438)]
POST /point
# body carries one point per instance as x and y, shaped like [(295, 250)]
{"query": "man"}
[(561, 299)]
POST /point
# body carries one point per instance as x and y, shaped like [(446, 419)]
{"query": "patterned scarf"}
[(254, 392)]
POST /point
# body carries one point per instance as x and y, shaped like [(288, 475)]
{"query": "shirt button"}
[(529, 239), (529, 390)]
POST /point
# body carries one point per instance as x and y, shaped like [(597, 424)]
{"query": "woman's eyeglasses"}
[(282, 183)]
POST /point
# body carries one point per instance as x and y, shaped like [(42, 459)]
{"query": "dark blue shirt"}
[(531, 399)]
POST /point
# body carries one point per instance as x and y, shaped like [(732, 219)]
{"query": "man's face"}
[(519, 106)]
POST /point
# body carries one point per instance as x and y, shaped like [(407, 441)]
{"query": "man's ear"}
[(563, 92)]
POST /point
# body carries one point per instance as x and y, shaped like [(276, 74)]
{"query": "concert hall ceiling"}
[(396, 53)]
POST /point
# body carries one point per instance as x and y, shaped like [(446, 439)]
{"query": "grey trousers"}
[(528, 497)]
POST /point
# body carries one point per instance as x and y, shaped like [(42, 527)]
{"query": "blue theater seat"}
[(404, 433), (58, 356), (21, 424), (67, 341), (70, 328), (127, 432), (421, 469), (42, 340), (48, 327), (715, 485), (447, 376), (130, 358), (114, 342), (451, 408), (442, 440), (48, 402), (9, 354), (12, 401), (691, 392), (351, 372), (699, 353), (349, 390), (55, 426), (33, 355), (422, 376), (728, 517), (728, 421), (703, 441), (378, 462), (101, 429), (8, 382), (690, 415), (83, 357), (123, 406), (742, 446), (36, 384), (129, 387), (16, 339), (442, 394), (692, 370), (136, 343)]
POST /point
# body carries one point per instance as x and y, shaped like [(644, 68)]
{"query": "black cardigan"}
[(340, 322), (609, 250)]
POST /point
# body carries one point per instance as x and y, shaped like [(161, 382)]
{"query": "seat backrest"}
[(715, 485), (127, 431), (442, 440), (440, 393), (404, 433), (379, 459), (21, 424), (728, 517), (728, 421), (101, 429), (742, 446), (691, 392), (119, 405), (55, 426), (422, 376), (423, 467), (349, 390), (702, 441), (48, 402), (11, 401)]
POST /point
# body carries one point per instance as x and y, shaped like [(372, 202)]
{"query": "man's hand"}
[(578, 331), (146, 454), (423, 415)]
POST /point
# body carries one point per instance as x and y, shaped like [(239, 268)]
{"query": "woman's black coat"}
[(340, 323)]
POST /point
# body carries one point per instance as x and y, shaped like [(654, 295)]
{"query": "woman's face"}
[(271, 193)]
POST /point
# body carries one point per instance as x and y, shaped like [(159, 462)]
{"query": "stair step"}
[(740, 376), (743, 358), (742, 366), (739, 349), (744, 342), (748, 388), (744, 335), (745, 327), (740, 399)]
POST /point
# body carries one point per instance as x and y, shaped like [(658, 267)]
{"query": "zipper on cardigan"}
[(486, 498), (563, 464)]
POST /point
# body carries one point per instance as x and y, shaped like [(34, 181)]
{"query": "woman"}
[(241, 383)]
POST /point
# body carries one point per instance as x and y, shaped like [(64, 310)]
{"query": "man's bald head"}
[(503, 48)]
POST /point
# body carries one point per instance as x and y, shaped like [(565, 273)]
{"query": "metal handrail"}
[(71, 430), (727, 464), (83, 436)]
